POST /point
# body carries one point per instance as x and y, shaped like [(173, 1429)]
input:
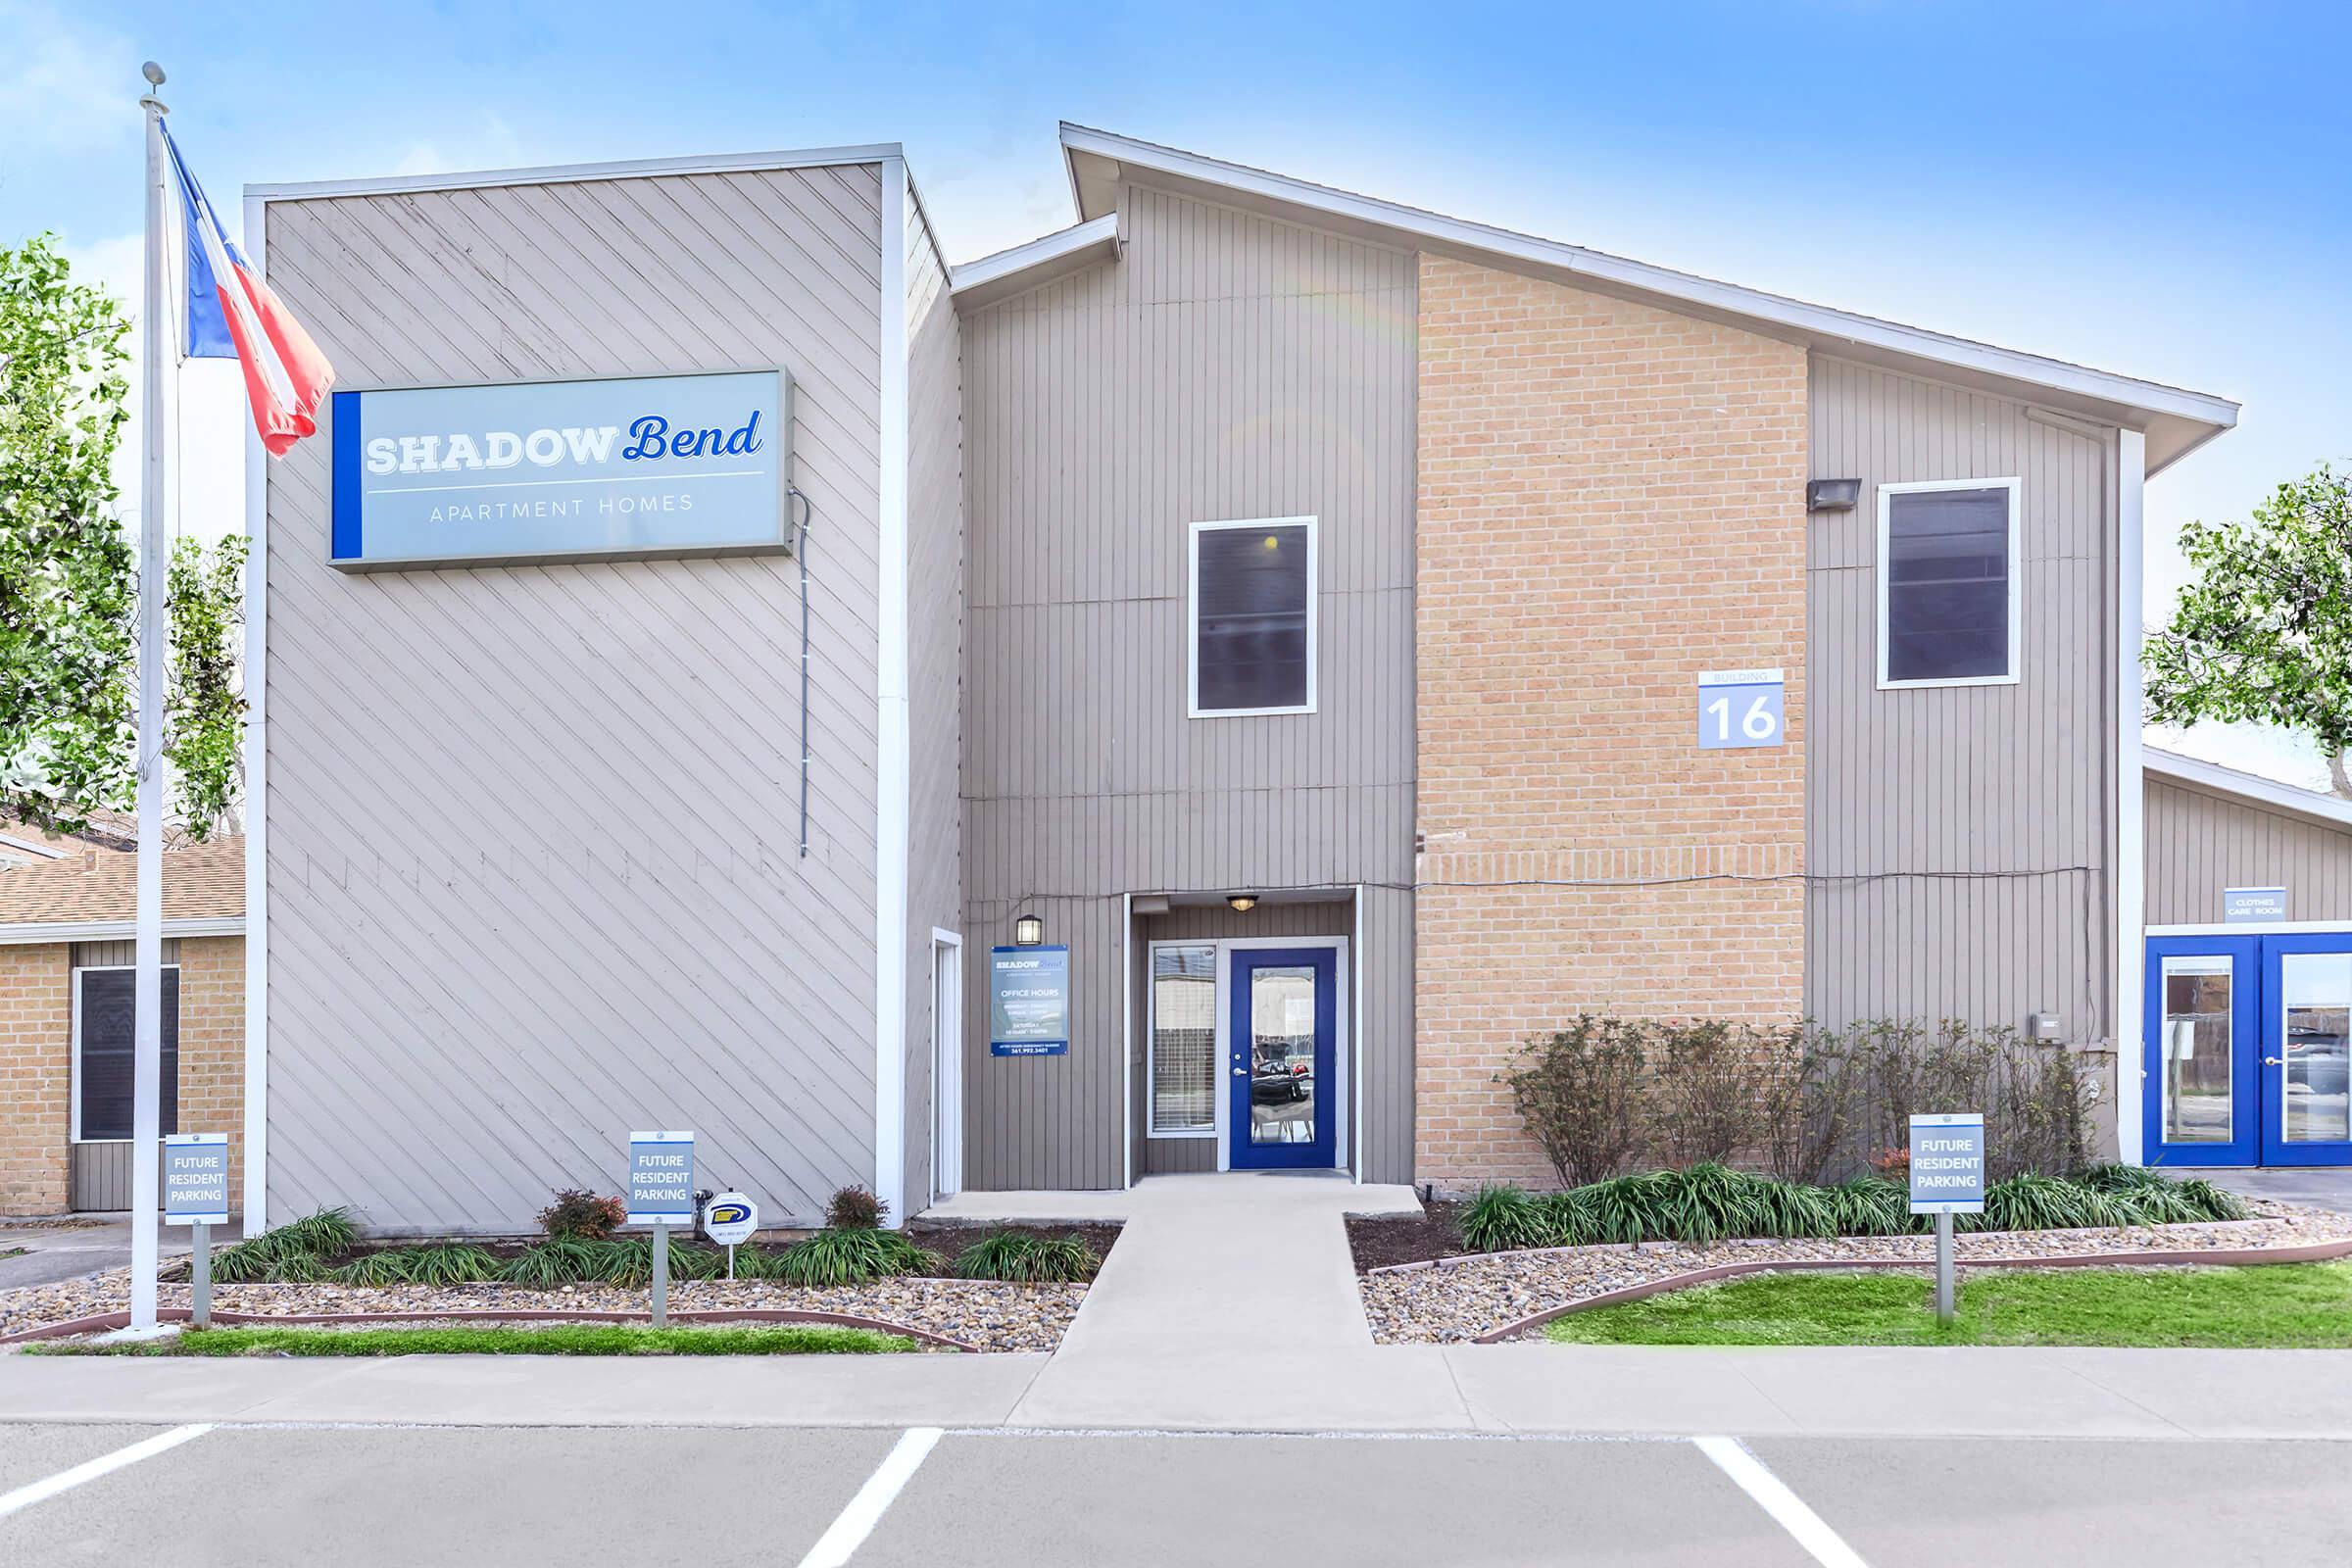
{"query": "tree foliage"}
[(2263, 631), (204, 713), (68, 587)]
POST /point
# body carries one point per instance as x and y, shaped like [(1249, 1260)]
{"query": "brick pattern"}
[(37, 1063), (1611, 500), (37, 1022)]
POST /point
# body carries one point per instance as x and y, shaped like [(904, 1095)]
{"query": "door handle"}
[(2274, 1061), (1240, 1072)]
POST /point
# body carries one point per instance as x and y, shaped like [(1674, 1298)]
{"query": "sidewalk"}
[(79, 1245)]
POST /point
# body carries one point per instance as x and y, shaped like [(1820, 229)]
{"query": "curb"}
[(104, 1321), (2217, 1258)]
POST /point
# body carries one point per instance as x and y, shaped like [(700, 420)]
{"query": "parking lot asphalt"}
[(259, 1495)]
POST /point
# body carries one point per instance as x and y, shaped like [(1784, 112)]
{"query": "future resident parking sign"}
[(560, 470)]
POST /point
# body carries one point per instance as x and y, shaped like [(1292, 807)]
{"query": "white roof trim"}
[(574, 174), (2248, 787), (1063, 251), (31, 847), (31, 931), (1821, 321)]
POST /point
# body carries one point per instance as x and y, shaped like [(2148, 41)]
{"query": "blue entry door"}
[(2200, 1101), (2306, 1055), (1282, 1036)]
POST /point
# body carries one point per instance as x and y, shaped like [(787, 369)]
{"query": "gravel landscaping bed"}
[(984, 1314), (1460, 1300)]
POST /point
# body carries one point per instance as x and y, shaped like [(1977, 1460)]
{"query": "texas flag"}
[(231, 313)]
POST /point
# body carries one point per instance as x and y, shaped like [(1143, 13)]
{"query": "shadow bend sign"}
[(1029, 1001), (561, 470)]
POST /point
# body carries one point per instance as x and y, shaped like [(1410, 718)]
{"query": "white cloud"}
[(493, 144), (60, 85)]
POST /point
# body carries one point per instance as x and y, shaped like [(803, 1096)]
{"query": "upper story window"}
[(1948, 602), (1252, 628)]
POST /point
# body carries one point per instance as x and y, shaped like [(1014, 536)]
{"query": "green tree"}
[(2264, 630), (68, 578)]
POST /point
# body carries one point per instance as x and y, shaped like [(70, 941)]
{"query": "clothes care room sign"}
[(561, 470)]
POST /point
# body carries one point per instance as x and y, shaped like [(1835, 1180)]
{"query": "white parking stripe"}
[(105, 1465), (848, 1531), (1771, 1494)]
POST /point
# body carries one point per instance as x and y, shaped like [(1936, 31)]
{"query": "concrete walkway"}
[(83, 1244), (2328, 1186)]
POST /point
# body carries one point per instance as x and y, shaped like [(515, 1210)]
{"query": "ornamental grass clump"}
[(292, 1253), (834, 1257), (1025, 1259)]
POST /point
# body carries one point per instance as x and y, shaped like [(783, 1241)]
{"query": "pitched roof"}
[(94, 883), (2214, 780)]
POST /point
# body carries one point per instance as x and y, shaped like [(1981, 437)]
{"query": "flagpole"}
[(159, 358)]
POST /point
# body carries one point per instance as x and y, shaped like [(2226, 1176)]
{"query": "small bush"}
[(1500, 1219), (851, 1258), (2218, 1202), (1028, 1260), (291, 1253), (578, 1214), (1584, 1094), (557, 1260), (853, 1208), (1706, 1086), (450, 1263), (390, 1267)]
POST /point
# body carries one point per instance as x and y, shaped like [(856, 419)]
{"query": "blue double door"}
[(1282, 1039), (2249, 1050)]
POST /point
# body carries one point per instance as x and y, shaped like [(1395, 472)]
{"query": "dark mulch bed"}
[(1380, 1240)]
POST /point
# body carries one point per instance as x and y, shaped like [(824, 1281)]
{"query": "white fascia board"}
[(29, 932), (1039, 261), (2127, 877), (574, 174), (1810, 322), (256, 1109), (31, 847), (2249, 787), (894, 794)]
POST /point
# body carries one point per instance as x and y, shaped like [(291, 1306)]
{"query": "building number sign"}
[(1740, 707)]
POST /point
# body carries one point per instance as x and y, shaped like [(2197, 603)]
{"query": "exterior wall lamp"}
[(1832, 495), (1241, 902), (1028, 931)]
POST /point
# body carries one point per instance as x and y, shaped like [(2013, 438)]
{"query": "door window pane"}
[(104, 1042), (2315, 999), (2197, 1046), (1282, 1054), (1946, 582), (1184, 1039), (1251, 609)]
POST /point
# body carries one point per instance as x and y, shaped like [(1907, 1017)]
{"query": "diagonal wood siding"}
[(1229, 367), (532, 830), (1957, 837)]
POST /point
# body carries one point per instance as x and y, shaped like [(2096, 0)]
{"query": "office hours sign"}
[(1029, 1001), (1739, 708)]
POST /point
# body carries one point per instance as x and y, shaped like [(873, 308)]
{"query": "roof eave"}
[(2267, 792), (1040, 261)]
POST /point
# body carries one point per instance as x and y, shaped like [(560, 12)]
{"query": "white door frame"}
[(1342, 1049), (947, 1064)]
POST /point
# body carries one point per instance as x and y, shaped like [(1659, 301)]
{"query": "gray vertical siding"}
[(2199, 843), (1230, 366), (532, 831), (1958, 837), (935, 660)]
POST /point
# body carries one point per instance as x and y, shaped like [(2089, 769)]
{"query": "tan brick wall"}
[(37, 1063), (1611, 500), (36, 1027)]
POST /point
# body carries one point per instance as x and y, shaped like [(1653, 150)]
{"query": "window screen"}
[(1251, 609), (1184, 1039), (104, 1042), (1946, 582)]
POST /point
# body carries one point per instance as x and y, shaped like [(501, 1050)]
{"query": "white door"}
[(947, 1065)]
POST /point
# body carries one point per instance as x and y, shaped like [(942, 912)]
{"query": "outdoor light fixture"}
[(1028, 931), (1832, 495), (1241, 902)]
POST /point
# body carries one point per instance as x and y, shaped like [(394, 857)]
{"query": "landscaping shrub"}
[(1708, 1086), (851, 1258), (578, 1214), (390, 1267), (557, 1260), (853, 1208), (289, 1254), (1809, 1087), (1502, 1218), (1584, 1094), (450, 1263), (1028, 1260)]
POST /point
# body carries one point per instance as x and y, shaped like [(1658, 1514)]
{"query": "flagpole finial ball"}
[(153, 73)]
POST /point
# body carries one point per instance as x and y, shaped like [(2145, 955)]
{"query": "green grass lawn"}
[(566, 1339), (2292, 1305)]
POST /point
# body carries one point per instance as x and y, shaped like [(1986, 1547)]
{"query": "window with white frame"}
[(1948, 603), (103, 1053), (1253, 618), (1184, 1040)]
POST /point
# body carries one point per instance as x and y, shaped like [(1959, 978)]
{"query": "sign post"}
[(196, 1195), (661, 1195), (729, 1220), (1029, 1001), (1947, 1178)]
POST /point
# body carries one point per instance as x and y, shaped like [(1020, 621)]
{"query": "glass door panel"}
[(2199, 1089), (2307, 1050), (1282, 1035)]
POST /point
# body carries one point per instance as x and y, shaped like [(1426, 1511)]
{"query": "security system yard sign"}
[(560, 470), (1029, 1001), (1740, 707), (729, 1220), (661, 1195), (1947, 1178), (196, 1195), (2253, 905)]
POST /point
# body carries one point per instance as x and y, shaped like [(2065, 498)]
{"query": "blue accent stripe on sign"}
[(345, 526)]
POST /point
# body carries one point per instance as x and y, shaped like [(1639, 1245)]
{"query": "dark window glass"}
[(1947, 584), (1253, 618), (106, 1054)]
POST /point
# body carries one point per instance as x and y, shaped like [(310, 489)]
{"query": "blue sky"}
[(2156, 189)]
